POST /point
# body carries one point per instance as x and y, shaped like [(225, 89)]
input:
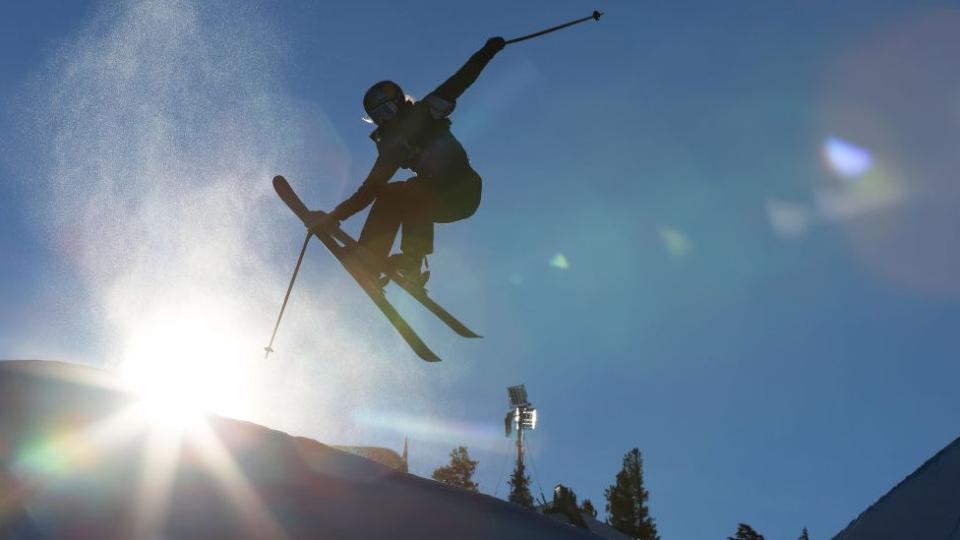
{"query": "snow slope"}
[(75, 462)]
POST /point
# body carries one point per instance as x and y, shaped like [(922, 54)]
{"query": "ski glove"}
[(495, 44), (320, 220)]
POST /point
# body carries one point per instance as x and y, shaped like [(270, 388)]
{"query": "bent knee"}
[(460, 207)]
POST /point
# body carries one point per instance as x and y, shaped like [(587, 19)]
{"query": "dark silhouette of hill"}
[(925, 504), (78, 461)]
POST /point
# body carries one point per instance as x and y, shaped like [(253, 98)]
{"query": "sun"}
[(187, 362)]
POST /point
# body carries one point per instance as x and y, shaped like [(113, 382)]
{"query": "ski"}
[(417, 292), (351, 265), (376, 294)]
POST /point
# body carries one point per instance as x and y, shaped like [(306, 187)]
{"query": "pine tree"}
[(804, 535), (520, 486), (565, 502), (746, 532), (563, 497), (459, 472), (627, 500), (587, 508)]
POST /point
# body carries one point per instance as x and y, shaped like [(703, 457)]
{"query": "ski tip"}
[(279, 180), (463, 331), (429, 356)]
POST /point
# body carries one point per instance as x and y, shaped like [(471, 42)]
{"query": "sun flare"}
[(186, 363)]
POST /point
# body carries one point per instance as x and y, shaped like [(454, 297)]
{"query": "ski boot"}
[(410, 267)]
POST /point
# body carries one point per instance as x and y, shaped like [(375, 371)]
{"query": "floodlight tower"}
[(522, 414)]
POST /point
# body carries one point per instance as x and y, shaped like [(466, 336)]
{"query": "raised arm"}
[(451, 89), (383, 169)]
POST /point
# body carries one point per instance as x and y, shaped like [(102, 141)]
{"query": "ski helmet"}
[(382, 101)]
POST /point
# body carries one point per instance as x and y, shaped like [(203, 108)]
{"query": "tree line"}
[(626, 499)]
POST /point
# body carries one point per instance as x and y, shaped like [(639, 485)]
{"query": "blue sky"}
[(756, 203)]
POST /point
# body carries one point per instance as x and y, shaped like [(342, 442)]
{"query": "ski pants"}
[(415, 205)]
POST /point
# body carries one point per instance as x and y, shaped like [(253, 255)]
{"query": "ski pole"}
[(269, 347), (595, 16)]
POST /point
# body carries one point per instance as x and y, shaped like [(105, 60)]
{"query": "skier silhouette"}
[(416, 136)]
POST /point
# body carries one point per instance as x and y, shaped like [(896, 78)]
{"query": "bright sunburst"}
[(187, 362)]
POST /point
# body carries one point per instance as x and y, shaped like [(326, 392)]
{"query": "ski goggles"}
[(383, 112)]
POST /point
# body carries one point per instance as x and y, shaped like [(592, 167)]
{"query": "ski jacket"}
[(419, 138)]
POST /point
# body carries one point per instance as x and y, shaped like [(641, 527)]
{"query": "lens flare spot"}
[(42, 458), (560, 262), (675, 242), (876, 191), (846, 159), (434, 429), (789, 220)]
